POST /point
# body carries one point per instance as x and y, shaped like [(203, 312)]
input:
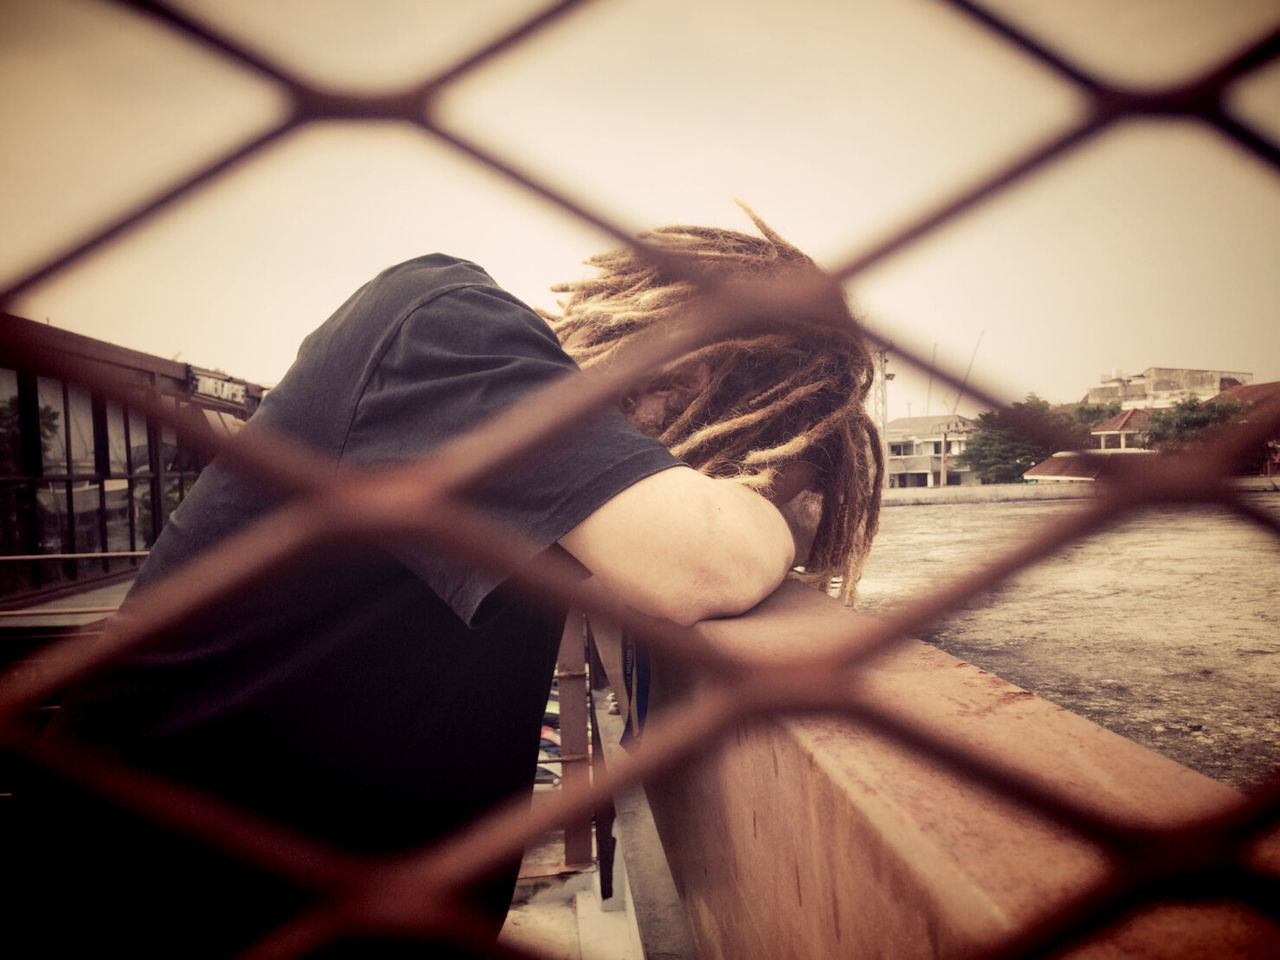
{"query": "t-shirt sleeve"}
[(453, 362)]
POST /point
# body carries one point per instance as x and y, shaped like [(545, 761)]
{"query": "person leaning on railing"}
[(377, 701)]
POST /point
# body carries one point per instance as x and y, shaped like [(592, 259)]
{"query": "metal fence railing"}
[(1211, 859)]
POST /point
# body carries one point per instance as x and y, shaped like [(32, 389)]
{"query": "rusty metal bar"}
[(573, 733), (14, 558)]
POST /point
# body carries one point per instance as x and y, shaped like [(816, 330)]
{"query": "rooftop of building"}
[(929, 426), (1126, 421), (1250, 392), (1070, 465)]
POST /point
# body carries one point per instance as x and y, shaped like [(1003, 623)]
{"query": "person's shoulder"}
[(433, 291), (436, 271), (440, 284)]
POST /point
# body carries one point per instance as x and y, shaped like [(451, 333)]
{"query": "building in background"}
[(1126, 433), (87, 480), (922, 451), (1163, 386)]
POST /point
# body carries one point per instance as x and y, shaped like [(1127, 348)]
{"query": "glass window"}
[(51, 506), (116, 514), (86, 500), (15, 514), (144, 514), (139, 451), (168, 446), (117, 442), (80, 424), (10, 433), (53, 443)]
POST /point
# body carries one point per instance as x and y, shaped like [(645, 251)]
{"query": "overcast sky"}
[(836, 120)]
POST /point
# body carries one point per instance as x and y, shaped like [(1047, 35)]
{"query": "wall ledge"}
[(812, 836)]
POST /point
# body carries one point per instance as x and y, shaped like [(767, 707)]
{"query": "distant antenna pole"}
[(965, 382)]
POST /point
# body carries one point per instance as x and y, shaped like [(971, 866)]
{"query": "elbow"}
[(686, 547), (730, 599), (731, 585)]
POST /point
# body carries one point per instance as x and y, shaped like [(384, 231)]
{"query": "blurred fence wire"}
[(1203, 860)]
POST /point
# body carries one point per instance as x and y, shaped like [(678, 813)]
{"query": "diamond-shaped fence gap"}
[(1143, 45), (133, 109), (1120, 232), (640, 127), (1255, 100), (360, 48), (325, 207)]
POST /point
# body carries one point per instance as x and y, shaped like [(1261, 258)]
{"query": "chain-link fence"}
[(1208, 859)]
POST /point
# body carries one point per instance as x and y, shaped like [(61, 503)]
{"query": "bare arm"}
[(685, 546)]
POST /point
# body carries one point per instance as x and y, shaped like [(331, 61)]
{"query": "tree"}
[(1089, 415), (1011, 441), (1189, 422)]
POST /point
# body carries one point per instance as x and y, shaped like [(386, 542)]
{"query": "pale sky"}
[(836, 120)]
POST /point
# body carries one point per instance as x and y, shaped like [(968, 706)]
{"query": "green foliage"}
[(997, 455), (1188, 422), (1089, 415), (1011, 441)]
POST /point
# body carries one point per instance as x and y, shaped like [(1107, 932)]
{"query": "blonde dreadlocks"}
[(793, 394)]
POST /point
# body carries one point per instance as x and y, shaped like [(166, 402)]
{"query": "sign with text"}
[(218, 388)]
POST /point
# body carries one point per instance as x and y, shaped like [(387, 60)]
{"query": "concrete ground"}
[(558, 913)]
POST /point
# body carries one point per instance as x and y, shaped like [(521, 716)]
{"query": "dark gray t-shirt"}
[(426, 350)]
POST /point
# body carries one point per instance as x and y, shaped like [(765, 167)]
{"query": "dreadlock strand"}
[(747, 420)]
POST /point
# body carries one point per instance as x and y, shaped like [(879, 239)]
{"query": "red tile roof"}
[(1250, 392), (1076, 466), (1064, 466), (1126, 421)]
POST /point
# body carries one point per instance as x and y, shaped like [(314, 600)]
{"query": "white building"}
[(1163, 386), (922, 451)]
